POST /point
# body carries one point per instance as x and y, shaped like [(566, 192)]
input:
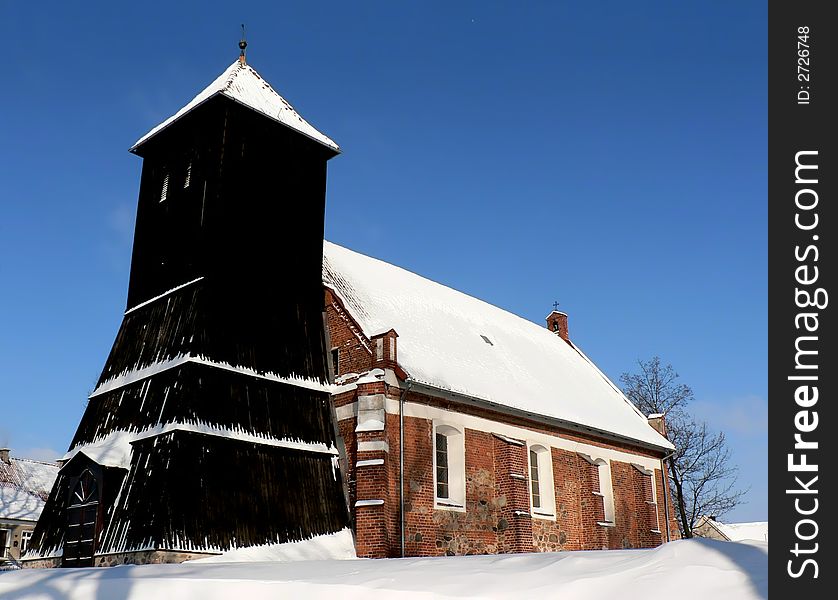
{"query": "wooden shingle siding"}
[(190, 490), (201, 394)]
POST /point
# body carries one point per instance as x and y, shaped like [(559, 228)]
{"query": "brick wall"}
[(496, 517), (354, 349)]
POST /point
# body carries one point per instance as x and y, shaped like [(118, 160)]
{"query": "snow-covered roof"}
[(241, 82), (736, 532), (441, 344), (16, 503), (24, 486)]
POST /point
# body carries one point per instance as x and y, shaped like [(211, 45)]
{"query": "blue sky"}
[(608, 155)]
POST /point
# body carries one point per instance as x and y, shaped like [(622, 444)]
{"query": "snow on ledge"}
[(372, 376), (163, 295), (130, 377), (359, 503), (114, 450)]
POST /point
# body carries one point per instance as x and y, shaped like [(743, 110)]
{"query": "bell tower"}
[(211, 425)]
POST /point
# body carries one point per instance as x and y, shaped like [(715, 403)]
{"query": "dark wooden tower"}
[(211, 425)]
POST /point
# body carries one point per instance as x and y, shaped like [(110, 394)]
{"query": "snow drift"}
[(694, 569)]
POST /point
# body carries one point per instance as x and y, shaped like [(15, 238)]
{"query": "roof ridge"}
[(233, 74), (270, 88)]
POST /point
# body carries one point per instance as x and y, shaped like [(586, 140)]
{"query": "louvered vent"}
[(165, 191)]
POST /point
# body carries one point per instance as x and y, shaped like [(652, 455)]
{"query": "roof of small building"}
[(241, 82), (442, 344), (735, 532), (24, 486)]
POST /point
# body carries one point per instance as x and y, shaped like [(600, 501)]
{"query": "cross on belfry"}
[(556, 305)]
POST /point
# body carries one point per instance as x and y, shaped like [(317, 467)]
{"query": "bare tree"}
[(701, 479), (655, 389)]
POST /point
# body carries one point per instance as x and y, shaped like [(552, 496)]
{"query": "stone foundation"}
[(146, 557), (40, 563)]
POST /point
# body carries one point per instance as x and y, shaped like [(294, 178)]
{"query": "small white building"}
[(709, 527), (24, 487)]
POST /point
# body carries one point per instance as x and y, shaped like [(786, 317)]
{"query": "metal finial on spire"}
[(242, 46)]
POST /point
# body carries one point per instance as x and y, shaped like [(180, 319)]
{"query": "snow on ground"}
[(695, 569), (334, 546)]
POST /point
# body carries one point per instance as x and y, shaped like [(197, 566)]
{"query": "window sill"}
[(606, 523), (655, 531), (448, 505), (543, 515)]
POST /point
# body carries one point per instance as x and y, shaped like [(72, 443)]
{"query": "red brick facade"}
[(496, 515)]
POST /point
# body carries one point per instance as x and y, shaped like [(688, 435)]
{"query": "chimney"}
[(4, 456), (557, 323), (658, 423)]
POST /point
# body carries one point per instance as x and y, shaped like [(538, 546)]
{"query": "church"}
[(238, 409)]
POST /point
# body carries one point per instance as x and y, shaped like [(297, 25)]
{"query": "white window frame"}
[(606, 490), (25, 539), (546, 483), (455, 435), (657, 525), (4, 549)]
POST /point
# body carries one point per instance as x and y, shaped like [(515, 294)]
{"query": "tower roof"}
[(241, 82)]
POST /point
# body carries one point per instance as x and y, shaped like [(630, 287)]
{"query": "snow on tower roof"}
[(242, 83), (441, 344)]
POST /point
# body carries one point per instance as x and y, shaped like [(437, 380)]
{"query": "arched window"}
[(85, 490), (542, 489), (449, 467)]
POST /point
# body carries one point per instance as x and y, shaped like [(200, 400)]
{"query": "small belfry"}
[(211, 427)]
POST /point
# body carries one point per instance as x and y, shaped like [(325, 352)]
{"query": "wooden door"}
[(82, 521)]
